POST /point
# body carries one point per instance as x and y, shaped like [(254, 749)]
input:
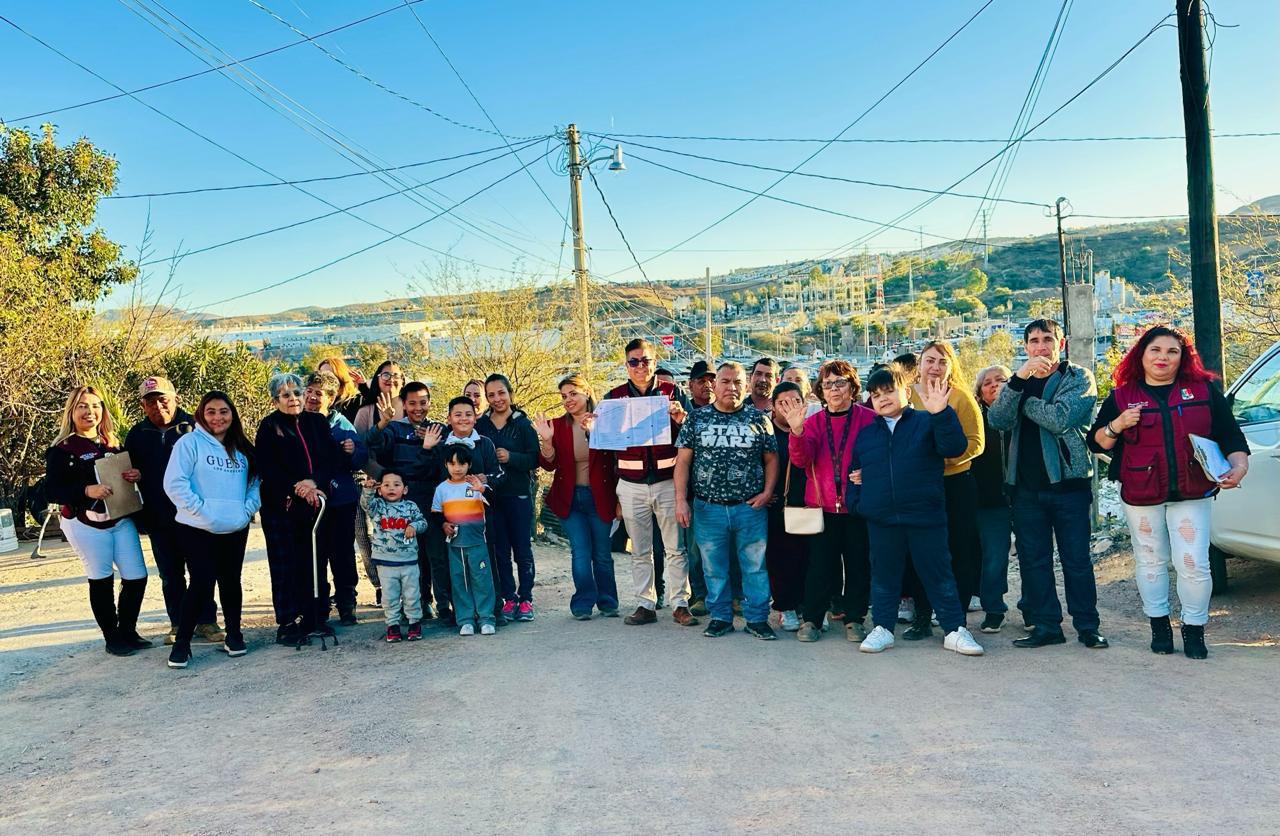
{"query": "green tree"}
[(54, 265), (975, 282)]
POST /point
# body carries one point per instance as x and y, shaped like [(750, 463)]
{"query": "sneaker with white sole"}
[(487, 629), (879, 641), (790, 621), (962, 641), (906, 610), (975, 603), (467, 630)]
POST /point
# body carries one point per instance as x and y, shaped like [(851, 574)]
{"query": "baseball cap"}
[(156, 386), (701, 369)]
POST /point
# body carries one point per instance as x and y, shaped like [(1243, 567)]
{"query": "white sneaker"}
[(826, 624), (790, 621), (489, 630), (906, 611), (962, 642), (934, 621), (467, 630), (879, 641), (975, 603)]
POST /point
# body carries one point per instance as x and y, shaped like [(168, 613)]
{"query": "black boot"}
[(131, 593), (1193, 641), (102, 600), (1161, 635), (919, 629)]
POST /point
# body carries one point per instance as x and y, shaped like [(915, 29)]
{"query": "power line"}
[(325, 179), (815, 176), (618, 227), (937, 140), (422, 25), (280, 102), (345, 209), (756, 195), (372, 246)]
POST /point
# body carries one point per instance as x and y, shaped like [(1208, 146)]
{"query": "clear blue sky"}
[(730, 69)]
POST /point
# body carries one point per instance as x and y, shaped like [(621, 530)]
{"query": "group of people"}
[(896, 497)]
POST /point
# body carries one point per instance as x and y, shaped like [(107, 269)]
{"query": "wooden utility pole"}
[(1202, 226), (708, 334), (579, 247), (1062, 269)]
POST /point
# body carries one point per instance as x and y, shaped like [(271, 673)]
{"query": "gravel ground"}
[(565, 727)]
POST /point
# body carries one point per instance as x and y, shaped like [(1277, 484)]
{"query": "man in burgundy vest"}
[(647, 493)]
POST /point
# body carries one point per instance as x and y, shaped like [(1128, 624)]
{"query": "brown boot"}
[(642, 615), (682, 616)]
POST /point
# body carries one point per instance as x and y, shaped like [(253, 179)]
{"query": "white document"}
[(1209, 456), (631, 422)]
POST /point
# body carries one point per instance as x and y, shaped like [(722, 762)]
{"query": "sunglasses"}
[(633, 362)]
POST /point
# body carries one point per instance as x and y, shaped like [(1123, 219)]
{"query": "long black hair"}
[(370, 390), (511, 395), (235, 438)]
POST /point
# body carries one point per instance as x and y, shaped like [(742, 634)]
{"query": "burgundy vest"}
[(1144, 461), (634, 463)]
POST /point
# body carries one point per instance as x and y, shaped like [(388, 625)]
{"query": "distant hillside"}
[(1265, 206)]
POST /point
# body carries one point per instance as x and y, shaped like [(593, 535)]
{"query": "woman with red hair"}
[(1163, 396)]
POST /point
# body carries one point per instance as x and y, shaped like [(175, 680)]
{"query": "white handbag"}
[(799, 519)]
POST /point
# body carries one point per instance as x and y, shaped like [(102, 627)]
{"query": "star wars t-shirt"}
[(728, 450)]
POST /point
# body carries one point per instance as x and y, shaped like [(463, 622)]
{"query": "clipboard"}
[(125, 498)]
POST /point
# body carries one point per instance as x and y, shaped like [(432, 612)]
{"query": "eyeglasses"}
[(390, 376), (296, 393), (836, 383), (633, 362)]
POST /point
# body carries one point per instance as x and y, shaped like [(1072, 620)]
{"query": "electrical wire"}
[(343, 210), (815, 176), (422, 25), (618, 227), (366, 249), (325, 179), (757, 195), (280, 102), (937, 140)]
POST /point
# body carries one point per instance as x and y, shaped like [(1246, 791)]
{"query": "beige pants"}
[(641, 504)]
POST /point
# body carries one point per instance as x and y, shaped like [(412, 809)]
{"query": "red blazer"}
[(600, 466)]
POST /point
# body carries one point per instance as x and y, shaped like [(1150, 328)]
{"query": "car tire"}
[(1218, 569)]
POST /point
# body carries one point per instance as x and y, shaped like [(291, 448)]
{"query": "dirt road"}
[(560, 726)]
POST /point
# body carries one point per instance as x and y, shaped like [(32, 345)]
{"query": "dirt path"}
[(560, 726)]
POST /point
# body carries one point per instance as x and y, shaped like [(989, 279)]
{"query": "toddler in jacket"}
[(459, 503), (396, 522), (898, 466)]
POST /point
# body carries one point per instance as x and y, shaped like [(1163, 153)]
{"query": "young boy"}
[(398, 443), (459, 502), (397, 521), (897, 462)]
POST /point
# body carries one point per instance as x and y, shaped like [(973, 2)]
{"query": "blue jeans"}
[(995, 529), (726, 531), (511, 526), (927, 545), (593, 582), (1040, 517)]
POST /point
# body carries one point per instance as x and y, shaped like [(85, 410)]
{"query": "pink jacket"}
[(812, 453)]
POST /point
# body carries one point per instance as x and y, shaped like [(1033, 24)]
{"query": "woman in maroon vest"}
[(1163, 396), (583, 497)]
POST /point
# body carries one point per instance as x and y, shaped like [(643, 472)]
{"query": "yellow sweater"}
[(970, 419)]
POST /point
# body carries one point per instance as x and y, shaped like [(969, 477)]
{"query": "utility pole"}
[(1202, 226), (1062, 268), (986, 248), (708, 335), (579, 248)]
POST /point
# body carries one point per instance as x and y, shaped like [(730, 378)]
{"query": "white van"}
[(1246, 522)]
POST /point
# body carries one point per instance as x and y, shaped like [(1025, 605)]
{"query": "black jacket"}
[(988, 468), (520, 440), (291, 448), (149, 447)]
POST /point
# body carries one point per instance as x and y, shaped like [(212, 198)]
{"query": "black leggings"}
[(211, 558), (839, 569)]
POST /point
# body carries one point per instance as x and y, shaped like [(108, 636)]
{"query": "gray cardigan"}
[(1064, 413)]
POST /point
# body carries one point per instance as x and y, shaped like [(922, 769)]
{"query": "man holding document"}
[(1174, 444), (645, 468)]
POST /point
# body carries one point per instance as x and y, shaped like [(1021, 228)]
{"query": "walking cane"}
[(321, 628)]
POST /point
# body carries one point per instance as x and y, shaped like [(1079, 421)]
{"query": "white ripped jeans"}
[(1176, 532)]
